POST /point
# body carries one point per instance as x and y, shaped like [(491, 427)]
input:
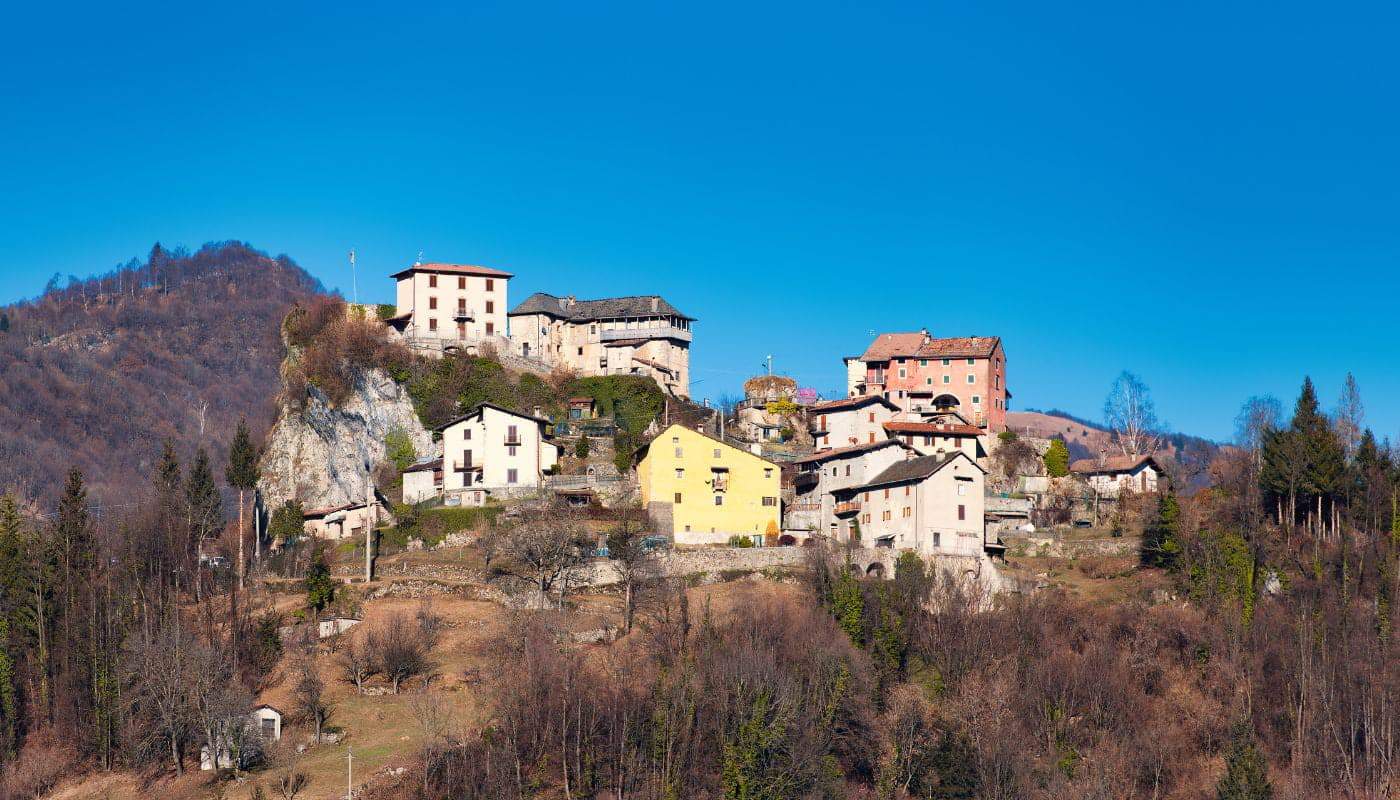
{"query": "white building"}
[(850, 421), (451, 305), (1111, 475), (493, 448), (813, 507), (934, 505), (615, 336), (264, 722), (423, 481)]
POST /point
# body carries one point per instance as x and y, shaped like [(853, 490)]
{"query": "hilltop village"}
[(906, 461)]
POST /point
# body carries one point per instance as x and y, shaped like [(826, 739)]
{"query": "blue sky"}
[(1205, 195)]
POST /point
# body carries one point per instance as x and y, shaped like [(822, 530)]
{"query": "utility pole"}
[(770, 365), (349, 774), (371, 517), (354, 281)]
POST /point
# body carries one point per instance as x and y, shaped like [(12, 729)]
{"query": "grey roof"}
[(607, 308), (912, 469)]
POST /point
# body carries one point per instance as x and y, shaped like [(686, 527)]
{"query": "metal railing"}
[(647, 332)]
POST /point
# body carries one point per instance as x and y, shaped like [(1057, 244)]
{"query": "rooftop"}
[(855, 449), (913, 469), (607, 308), (919, 344), (454, 269), (1110, 464)]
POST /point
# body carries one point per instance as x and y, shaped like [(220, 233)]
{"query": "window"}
[(678, 452), (928, 381), (885, 517), (512, 434), (770, 501), (462, 284), (928, 441), (906, 491), (490, 328), (908, 512), (962, 512), (511, 476), (887, 494), (767, 472), (717, 453), (467, 434), (678, 501), (947, 362), (971, 378), (432, 324), (901, 372), (977, 399), (490, 284), (675, 440), (680, 474), (719, 499), (510, 450), (490, 306), (833, 472), (937, 539), (687, 529), (580, 351), (923, 362), (962, 489), (848, 470), (947, 379), (971, 361), (432, 281), (592, 329), (871, 416), (432, 303)]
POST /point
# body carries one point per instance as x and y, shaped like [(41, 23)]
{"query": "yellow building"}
[(703, 491)]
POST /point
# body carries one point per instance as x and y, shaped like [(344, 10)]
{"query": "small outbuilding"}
[(1111, 475)]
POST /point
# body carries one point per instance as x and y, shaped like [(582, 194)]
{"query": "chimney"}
[(569, 301), (925, 334), (655, 304)]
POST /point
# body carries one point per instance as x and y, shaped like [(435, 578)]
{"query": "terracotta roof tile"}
[(454, 269), (838, 452), (851, 402), (932, 427), (1099, 466)]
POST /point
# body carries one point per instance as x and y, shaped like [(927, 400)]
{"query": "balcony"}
[(465, 466), (850, 507), (646, 332), (512, 441), (462, 314)]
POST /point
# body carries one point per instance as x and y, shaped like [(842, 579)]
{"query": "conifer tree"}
[(76, 551), (1057, 459), (1161, 544), (242, 474), (320, 586), (1246, 774), (202, 496)]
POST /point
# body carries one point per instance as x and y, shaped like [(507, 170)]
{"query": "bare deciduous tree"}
[(401, 647), (635, 561), (543, 548), (356, 661), (1132, 416), (309, 693)]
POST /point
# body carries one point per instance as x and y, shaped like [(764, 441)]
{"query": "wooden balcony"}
[(848, 507)]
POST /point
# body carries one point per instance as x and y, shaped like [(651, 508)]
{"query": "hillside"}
[(1087, 439), (97, 373)]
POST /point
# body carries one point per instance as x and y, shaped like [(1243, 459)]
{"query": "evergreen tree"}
[(242, 474), (1326, 462), (9, 703), (202, 496), (1246, 774), (1161, 541), (287, 523), (4, 323), (955, 762), (581, 449), (320, 586), (1057, 459), (847, 605)]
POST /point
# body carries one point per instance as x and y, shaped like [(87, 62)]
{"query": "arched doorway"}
[(876, 570), (945, 402)]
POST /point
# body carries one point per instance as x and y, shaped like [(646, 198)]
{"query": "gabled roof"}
[(893, 344), (453, 269), (852, 450), (426, 465), (476, 410), (1110, 465), (920, 345), (912, 469), (932, 428), (607, 308), (644, 449), (844, 403)]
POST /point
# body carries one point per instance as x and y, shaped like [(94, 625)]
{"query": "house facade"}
[(341, 522), (1111, 476), (932, 438), (850, 421), (813, 508), (918, 372), (700, 490), (492, 448), (444, 305), (934, 505), (615, 336)]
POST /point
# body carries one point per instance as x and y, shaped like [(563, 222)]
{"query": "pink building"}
[(922, 374)]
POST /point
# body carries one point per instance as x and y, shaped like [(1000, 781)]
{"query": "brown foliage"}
[(177, 348)]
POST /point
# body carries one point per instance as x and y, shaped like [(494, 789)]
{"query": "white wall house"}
[(340, 522), (850, 421), (934, 505), (1111, 475), (493, 448), (264, 722), (423, 481), (813, 507), (613, 336), (451, 304)]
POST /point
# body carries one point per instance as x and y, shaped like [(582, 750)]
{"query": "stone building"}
[(442, 306), (934, 505), (614, 336)]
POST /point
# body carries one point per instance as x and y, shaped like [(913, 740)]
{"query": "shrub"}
[(581, 449), (398, 449), (740, 541), (1008, 436), (1057, 459)]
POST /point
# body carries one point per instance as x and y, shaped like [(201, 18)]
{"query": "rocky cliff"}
[(318, 454)]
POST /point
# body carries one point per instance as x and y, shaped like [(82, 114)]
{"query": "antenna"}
[(419, 262), (349, 774), (354, 282)]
